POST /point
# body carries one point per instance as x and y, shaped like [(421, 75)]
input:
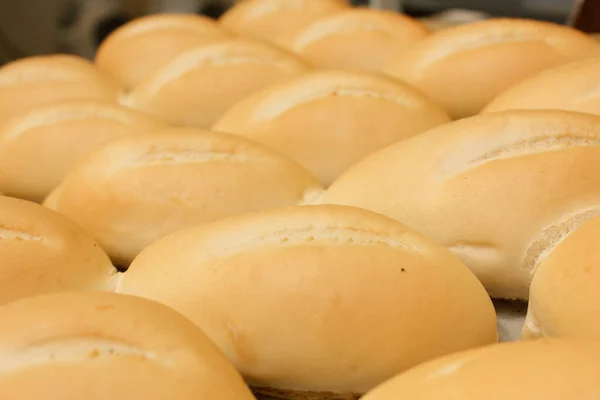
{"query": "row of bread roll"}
[(100, 346), (322, 302)]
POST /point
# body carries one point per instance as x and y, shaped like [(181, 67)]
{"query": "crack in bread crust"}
[(264, 393), (552, 236)]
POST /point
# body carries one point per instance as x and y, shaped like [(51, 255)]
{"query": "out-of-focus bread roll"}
[(100, 346), (466, 66), (138, 49), (38, 147), (43, 252), (200, 84), (356, 39), (33, 81), (329, 120), (544, 369), (321, 301), (498, 189), (276, 20), (564, 299), (575, 87), (139, 188)]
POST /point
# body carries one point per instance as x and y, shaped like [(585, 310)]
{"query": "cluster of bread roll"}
[(303, 200)]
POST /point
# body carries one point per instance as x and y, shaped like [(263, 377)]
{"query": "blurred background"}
[(29, 27)]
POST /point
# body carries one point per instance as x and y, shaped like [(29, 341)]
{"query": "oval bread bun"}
[(362, 39), (276, 20), (139, 188), (99, 346), (497, 189), (569, 87), (465, 67), (136, 50), (33, 81), (199, 85), (361, 296), (38, 147), (544, 369), (564, 299), (43, 252), (329, 120)]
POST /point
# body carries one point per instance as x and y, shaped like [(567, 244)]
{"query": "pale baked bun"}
[(139, 48), (38, 147), (497, 189), (569, 87), (317, 301), (200, 84), (41, 252), (564, 299), (33, 81), (139, 188), (362, 39), (276, 20), (329, 120), (465, 67), (544, 369), (100, 346)]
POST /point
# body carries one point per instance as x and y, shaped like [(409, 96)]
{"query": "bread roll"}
[(44, 252), (276, 20), (564, 298), (329, 120), (498, 189), (33, 81), (199, 85), (545, 369), (466, 66), (136, 50), (321, 301), (38, 147), (139, 188), (99, 346), (362, 39), (569, 87)]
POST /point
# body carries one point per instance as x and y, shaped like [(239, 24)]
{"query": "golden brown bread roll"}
[(362, 39), (466, 66), (545, 369), (564, 299), (43, 252), (569, 87), (497, 189), (136, 50), (276, 20), (33, 81), (317, 301), (99, 346), (139, 188), (329, 120), (200, 84), (39, 146)]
